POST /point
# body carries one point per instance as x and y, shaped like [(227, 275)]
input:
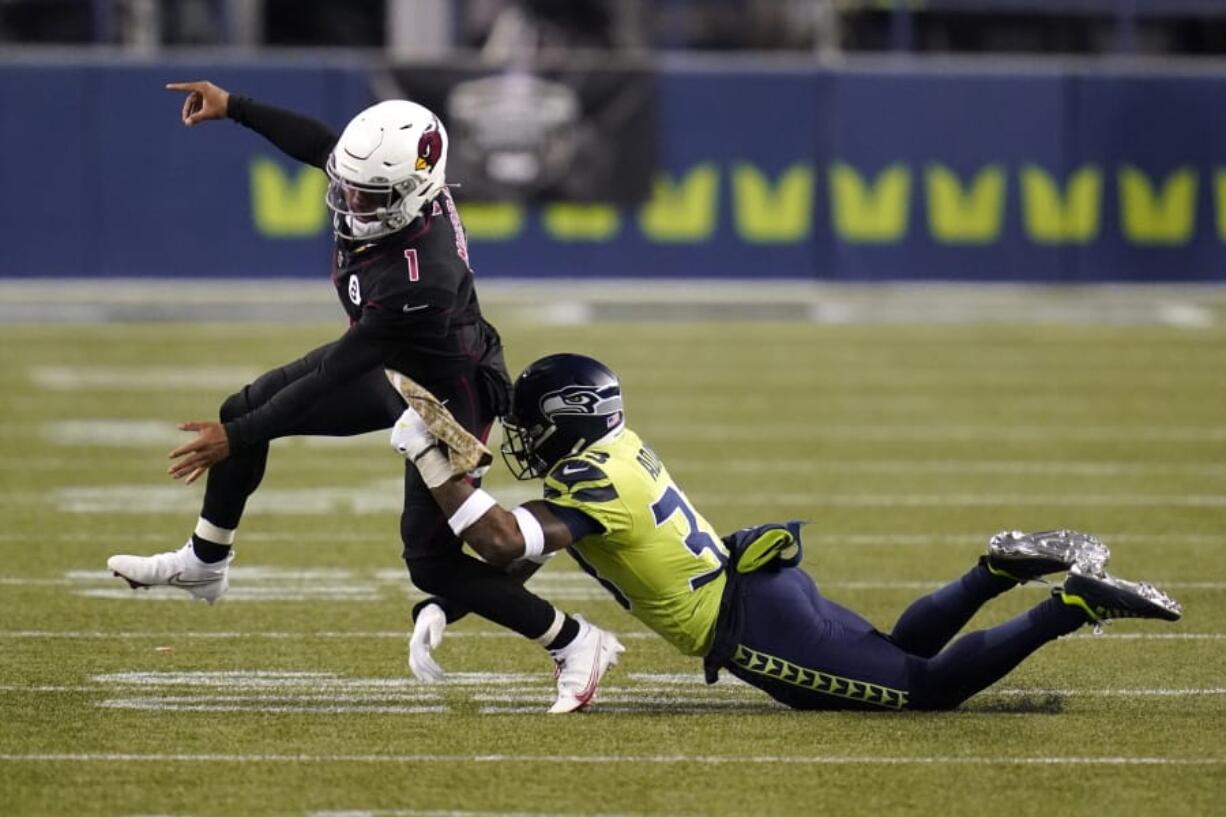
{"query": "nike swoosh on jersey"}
[(407, 308)]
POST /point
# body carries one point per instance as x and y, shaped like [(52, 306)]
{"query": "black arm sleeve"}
[(305, 139)]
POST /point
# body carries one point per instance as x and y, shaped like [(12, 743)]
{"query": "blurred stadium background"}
[(916, 270), (800, 140)]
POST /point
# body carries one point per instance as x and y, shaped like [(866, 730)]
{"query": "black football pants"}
[(432, 552)]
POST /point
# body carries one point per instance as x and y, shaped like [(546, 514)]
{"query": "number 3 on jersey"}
[(669, 503)]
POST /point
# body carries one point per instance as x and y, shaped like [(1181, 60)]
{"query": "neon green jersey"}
[(659, 558)]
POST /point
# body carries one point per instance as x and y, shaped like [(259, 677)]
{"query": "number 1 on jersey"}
[(410, 257)]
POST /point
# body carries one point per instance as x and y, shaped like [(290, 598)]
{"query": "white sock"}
[(209, 532), (559, 618)]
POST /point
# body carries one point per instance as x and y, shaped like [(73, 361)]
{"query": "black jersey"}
[(409, 296), (415, 288)]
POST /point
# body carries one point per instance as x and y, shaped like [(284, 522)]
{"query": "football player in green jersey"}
[(741, 602)]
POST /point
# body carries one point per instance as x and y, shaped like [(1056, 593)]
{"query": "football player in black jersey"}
[(401, 272)]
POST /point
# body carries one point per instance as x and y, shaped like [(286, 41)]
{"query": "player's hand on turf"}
[(204, 101), (192, 459), (427, 635)]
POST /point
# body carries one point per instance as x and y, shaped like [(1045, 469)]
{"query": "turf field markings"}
[(276, 691), (707, 760), (959, 499), (1111, 693), (262, 679), (849, 539), (111, 433), (64, 377), (378, 496), (381, 496), (253, 583), (817, 465), (261, 584), (161, 705), (126, 433), (961, 539), (450, 813), (490, 634), (790, 432), (647, 706)]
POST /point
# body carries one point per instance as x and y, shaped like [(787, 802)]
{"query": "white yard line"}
[(706, 760), (157, 705), (568, 585), (450, 813), (872, 500), (384, 497), (121, 432), (729, 691), (121, 635), (921, 432), (817, 465), (812, 536), (140, 378), (162, 432), (380, 496), (804, 466)]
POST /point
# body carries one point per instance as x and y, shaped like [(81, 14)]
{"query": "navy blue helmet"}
[(560, 405)]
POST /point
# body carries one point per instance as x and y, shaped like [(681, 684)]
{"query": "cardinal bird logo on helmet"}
[(429, 147)]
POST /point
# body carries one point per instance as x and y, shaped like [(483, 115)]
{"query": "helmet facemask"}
[(519, 449), (365, 211), (388, 165)]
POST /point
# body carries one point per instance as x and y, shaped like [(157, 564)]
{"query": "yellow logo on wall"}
[(863, 208)]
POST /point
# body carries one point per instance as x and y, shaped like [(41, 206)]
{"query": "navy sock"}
[(980, 659), (207, 551), (570, 629), (930, 622)]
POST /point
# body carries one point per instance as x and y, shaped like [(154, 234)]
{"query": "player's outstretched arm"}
[(498, 535), (305, 139), (204, 101)]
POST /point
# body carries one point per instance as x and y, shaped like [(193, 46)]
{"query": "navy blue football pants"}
[(432, 552), (810, 653)]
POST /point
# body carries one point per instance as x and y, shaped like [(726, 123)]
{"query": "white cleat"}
[(176, 568), (581, 664)]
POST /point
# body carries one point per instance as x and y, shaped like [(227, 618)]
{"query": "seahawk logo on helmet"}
[(390, 161), (582, 400), (560, 405)]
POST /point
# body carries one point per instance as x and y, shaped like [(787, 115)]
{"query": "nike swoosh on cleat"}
[(585, 695), (176, 581)]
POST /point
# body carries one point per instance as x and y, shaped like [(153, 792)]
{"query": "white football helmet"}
[(390, 161)]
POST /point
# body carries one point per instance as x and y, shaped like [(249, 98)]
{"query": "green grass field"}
[(906, 447)]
